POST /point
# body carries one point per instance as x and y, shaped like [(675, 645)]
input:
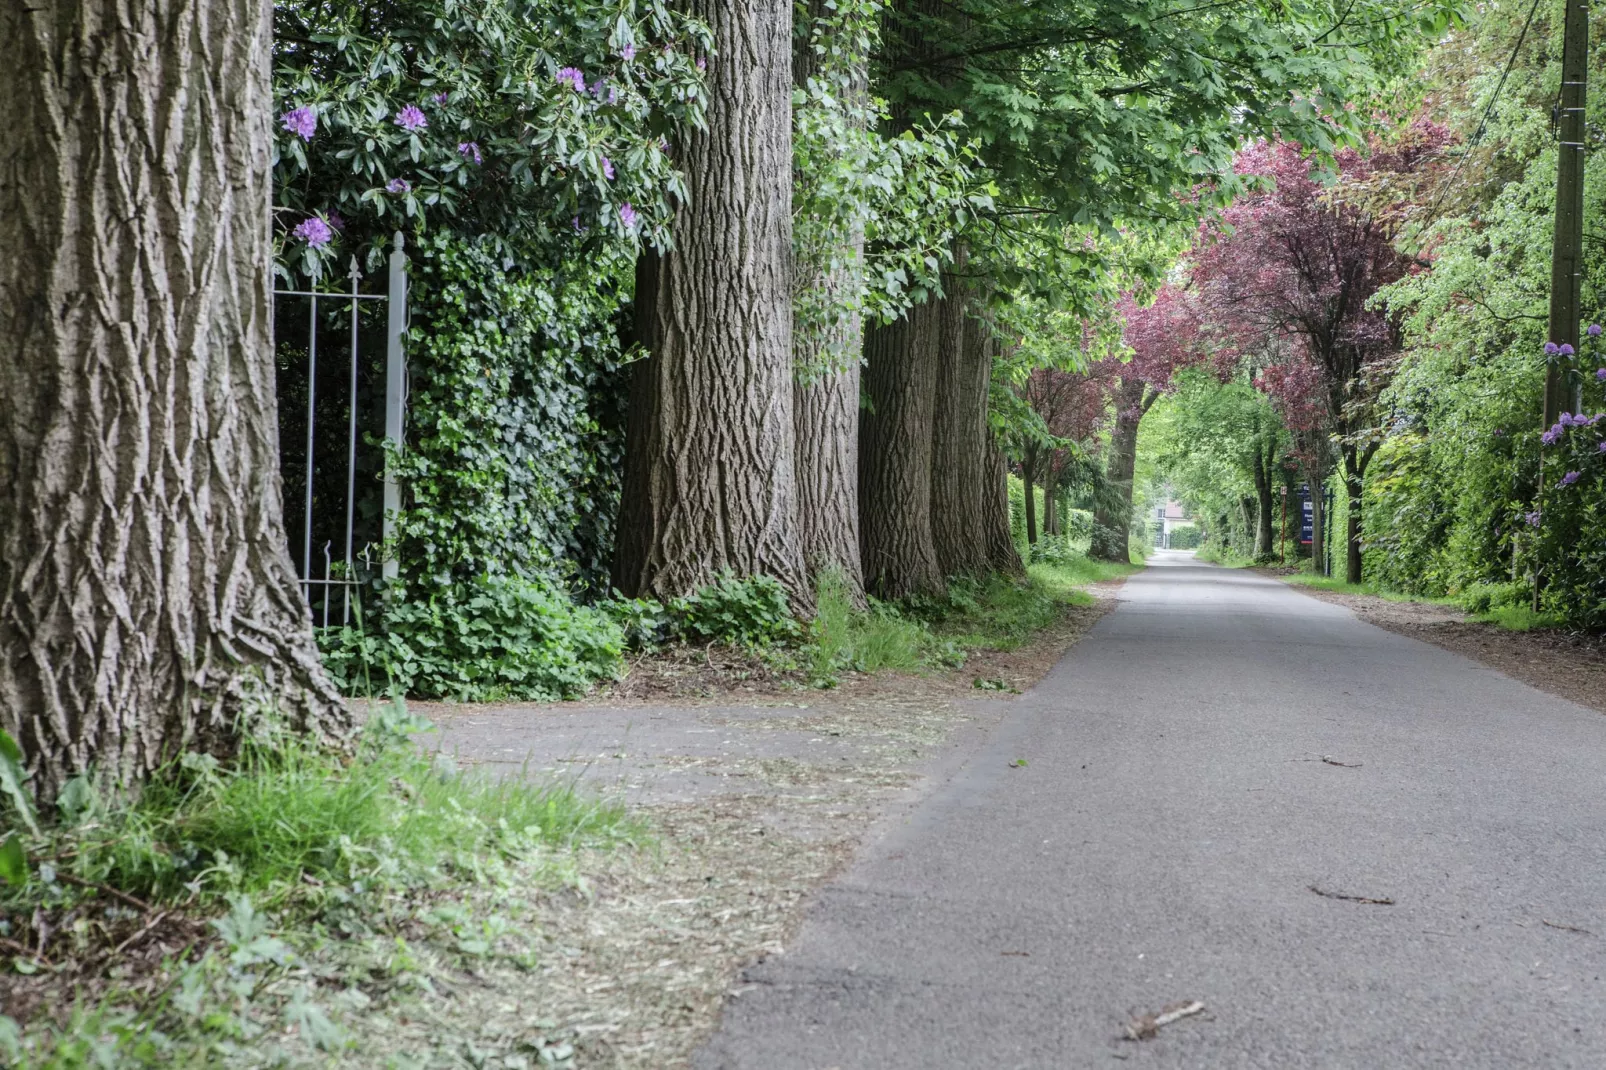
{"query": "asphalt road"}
[(1160, 845)]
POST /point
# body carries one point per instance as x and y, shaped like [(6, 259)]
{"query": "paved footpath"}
[(1160, 845)]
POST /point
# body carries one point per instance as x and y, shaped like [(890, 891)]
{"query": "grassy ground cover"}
[(1505, 606), (997, 613), (263, 913)]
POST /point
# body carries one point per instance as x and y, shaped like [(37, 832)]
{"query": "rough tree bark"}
[(826, 396), (709, 479), (1112, 520), (900, 556), (1051, 490), (901, 375), (147, 599), (1354, 469), (959, 468), (1002, 553), (1028, 475), (1263, 504)]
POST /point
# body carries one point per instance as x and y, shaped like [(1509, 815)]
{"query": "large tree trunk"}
[(709, 476), (1028, 473), (960, 470), (1263, 503), (826, 398), (900, 555), (147, 599), (1051, 490), (900, 383), (1002, 553), (1112, 520), (1353, 470), (827, 422)]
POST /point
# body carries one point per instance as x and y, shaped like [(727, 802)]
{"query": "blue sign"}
[(1307, 516)]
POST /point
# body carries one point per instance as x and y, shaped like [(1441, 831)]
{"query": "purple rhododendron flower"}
[(627, 53), (470, 149), (575, 223), (1600, 374), (1566, 350), (410, 118), (1532, 518), (1549, 437), (1569, 479), (629, 216), (1551, 349), (302, 121), (607, 168), (573, 78), (1601, 445), (441, 98), (314, 231), (1594, 330), (702, 64), (398, 185), (337, 221)]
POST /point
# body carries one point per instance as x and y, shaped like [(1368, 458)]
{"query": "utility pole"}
[(1567, 251)]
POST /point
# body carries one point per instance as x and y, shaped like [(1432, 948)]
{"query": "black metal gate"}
[(342, 392)]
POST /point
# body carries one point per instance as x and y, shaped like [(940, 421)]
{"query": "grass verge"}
[(262, 913), (995, 613), (1508, 616)]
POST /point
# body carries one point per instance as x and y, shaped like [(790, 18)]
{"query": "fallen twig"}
[(1352, 898), (1145, 1027), (157, 920), (1565, 928), (1341, 765), (138, 904), (23, 950)]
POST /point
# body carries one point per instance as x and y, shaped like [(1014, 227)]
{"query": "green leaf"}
[(13, 860), (13, 777)]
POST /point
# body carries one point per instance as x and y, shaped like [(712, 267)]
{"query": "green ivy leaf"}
[(13, 780), (13, 860)]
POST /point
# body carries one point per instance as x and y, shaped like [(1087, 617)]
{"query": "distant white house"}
[(1171, 515)]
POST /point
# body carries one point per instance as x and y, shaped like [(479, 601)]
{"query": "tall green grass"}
[(289, 814), (846, 637), (995, 613)]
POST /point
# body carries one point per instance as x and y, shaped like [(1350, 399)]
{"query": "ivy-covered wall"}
[(515, 417)]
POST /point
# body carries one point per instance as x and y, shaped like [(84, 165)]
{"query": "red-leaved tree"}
[(1286, 273)]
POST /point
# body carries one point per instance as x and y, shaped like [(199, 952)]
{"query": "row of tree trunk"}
[(748, 452)]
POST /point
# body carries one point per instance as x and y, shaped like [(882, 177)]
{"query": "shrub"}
[(1185, 537), (751, 612), (1486, 597), (865, 640), (754, 611), (493, 638)]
